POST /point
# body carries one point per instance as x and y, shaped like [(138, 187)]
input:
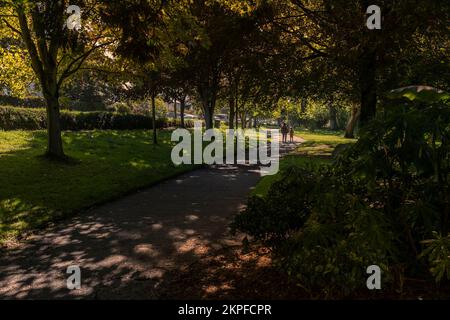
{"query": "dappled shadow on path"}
[(131, 247), (126, 248), (35, 191)]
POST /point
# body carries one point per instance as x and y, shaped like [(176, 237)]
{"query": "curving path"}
[(126, 247)]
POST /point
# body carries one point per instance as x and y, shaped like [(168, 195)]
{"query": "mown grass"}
[(35, 191), (108, 164), (315, 151), (320, 143)]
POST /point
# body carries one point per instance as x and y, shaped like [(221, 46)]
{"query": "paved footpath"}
[(126, 247)]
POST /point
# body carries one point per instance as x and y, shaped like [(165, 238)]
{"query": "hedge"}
[(29, 102), (13, 118)]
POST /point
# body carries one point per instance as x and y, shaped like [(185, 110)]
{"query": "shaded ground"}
[(128, 248), (232, 273), (237, 274)]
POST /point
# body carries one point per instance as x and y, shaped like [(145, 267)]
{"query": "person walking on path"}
[(284, 131), (291, 135)]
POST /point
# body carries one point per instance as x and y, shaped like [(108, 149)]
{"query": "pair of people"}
[(285, 130)]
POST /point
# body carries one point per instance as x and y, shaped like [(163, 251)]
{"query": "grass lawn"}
[(320, 143), (35, 191), (315, 151)]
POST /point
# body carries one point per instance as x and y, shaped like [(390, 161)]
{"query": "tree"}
[(152, 37), (232, 32), (16, 74), (177, 87), (337, 31), (352, 121), (201, 40), (55, 52)]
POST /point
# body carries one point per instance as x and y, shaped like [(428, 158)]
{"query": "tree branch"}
[(76, 63), (26, 36), (11, 27)]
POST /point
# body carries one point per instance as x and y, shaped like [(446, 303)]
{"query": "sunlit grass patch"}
[(35, 191), (315, 151), (331, 138)]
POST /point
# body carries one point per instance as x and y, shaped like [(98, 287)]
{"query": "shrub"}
[(438, 253), (385, 201), (323, 234), (120, 107), (317, 115), (12, 118), (283, 211), (29, 102)]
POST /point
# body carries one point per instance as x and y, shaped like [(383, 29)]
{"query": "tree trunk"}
[(333, 116), (208, 98), (244, 120), (250, 121), (45, 67), (155, 135), (208, 118), (50, 91), (367, 80), (54, 143), (182, 107), (350, 128), (232, 113), (304, 105), (175, 110)]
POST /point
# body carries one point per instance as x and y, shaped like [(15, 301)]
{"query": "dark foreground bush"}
[(12, 118), (322, 231), (384, 202)]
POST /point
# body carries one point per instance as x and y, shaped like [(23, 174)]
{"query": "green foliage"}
[(315, 116), (15, 71), (438, 254), (333, 249), (287, 162), (120, 107), (273, 223), (316, 150), (28, 102), (322, 234), (424, 94), (12, 118), (381, 201)]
